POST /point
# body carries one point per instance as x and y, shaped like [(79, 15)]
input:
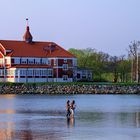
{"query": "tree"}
[(134, 55), (114, 60), (103, 65), (124, 68)]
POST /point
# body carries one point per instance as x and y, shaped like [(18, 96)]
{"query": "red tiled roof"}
[(30, 66), (34, 49)]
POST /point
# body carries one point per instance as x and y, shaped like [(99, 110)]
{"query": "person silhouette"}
[(72, 108), (68, 111)]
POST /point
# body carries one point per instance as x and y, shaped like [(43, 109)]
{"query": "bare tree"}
[(134, 55)]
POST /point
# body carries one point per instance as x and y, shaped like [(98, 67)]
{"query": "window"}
[(45, 61), (12, 72), (16, 72), (55, 61), (44, 72), (65, 77), (65, 60), (1, 73), (37, 61), (37, 72), (40, 72), (49, 61), (30, 61), (50, 72), (65, 66), (30, 72), (74, 62), (23, 61), (23, 72), (1, 61), (9, 72), (12, 61), (17, 60)]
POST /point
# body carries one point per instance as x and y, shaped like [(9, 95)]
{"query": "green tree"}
[(103, 65)]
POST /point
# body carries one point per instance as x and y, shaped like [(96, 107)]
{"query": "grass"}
[(70, 83)]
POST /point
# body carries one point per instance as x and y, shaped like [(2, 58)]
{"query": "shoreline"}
[(22, 89)]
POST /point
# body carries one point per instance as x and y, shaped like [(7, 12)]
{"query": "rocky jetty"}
[(69, 89)]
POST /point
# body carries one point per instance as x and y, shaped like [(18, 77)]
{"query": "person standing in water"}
[(68, 109), (70, 113), (72, 106)]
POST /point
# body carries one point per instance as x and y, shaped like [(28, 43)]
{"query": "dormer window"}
[(8, 51)]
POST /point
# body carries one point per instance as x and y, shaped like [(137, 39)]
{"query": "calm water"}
[(98, 117)]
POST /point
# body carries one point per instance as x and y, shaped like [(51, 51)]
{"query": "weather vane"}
[(27, 21)]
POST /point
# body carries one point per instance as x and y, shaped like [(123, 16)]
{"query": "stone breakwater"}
[(69, 89)]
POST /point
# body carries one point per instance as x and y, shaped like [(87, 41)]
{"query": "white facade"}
[(22, 74)]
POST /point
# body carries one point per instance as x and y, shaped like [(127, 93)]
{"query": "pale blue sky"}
[(106, 25)]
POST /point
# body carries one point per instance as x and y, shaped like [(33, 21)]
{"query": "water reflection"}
[(8, 132), (137, 119), (7, 125), (26, 133), (40, 118), (111, 119), (70, 122)]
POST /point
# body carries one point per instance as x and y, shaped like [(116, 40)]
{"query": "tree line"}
[(106, 67)]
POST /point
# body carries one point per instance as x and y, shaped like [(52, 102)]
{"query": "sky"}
[(105, 25)]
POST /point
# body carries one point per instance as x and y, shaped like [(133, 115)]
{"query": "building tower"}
[(27, 36)]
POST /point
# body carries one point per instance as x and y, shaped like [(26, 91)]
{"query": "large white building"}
[(32, 61)]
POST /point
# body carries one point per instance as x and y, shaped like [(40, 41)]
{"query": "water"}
[(98, 117)]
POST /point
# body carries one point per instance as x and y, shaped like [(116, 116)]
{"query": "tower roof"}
[(27, 36)]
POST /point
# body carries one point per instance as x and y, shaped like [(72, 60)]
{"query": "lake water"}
[(42, 117)]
